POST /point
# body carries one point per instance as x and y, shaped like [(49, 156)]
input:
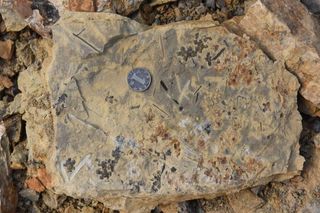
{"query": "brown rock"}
[(245, 202), (285, 37), (23, 7), (5, 82), (82, 5), (35, 184), (19, 156), (6, 49), (8, 195)]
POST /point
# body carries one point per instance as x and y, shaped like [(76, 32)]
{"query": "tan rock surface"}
[(6, 51), (219, 116), (288, 35)]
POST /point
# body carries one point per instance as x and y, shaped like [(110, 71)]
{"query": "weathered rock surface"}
[(8, 196), (6, 50), (293, 39), (219, 116)]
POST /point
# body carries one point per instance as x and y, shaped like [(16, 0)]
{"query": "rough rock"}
[(5, 81), (12, 19), (82, 5), (6, 51), (312, 5), (126, 7), (19, 156), (292, 39), (8, 196), (220, 116)]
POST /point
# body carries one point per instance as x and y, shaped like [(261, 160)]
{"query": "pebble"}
[(29, 194), (50, 199), (312, 5), (6, 49)]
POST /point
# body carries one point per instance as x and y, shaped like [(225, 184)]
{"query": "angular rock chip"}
[(82, 5), (313, 5), (6, 51), (218, 117), (8, 195), (293, 39), (11, 17)]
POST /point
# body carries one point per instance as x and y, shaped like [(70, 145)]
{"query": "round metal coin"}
[(139, 79)]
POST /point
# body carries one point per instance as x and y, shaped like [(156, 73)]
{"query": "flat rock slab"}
[(219, 115)]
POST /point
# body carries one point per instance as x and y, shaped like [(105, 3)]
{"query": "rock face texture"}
[(293, 39), (219, 115), (8, 195)]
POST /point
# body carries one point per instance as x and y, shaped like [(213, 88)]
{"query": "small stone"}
[(126, 7), (244, 201), (6, 49), (312, 5), (34, 184), (82, 5), (29, 194), (39, 180), (23, 7), (19, 156), (8, 195), (5, 82), (211, 4), (36, 22), (50, 199), (13, 126), (12, 19), (87, 209)]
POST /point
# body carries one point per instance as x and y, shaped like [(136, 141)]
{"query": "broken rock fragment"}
[(82, 5), (291, 39), (6, 49), (8, 196), (219, 115)]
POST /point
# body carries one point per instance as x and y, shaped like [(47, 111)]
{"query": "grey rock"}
[(50, 199), (29, 194), (312, 5), (19, 156), (8, 195)]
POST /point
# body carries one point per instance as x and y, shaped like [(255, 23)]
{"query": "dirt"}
[(290, 196)]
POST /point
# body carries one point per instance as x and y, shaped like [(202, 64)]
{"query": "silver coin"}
[(139, 79)]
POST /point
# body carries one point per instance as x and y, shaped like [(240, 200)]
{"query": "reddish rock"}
[(23, 7), (39, 180), (35, 184), (5, 82), (288, 35), (6, 49), (82, 5)]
